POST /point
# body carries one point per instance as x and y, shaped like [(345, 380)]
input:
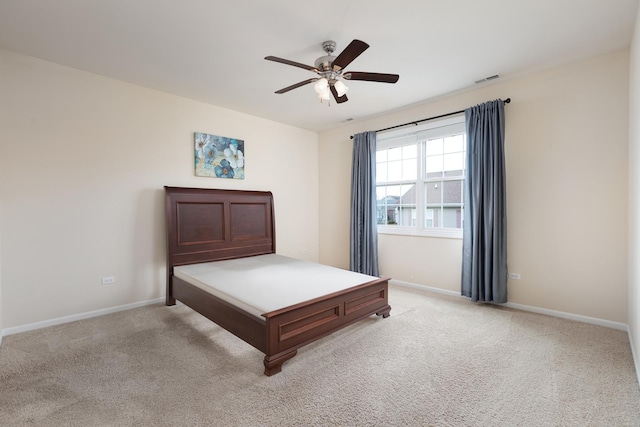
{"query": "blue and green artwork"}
[(219, 156)]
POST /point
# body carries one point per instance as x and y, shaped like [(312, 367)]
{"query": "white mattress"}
[(265, 283)]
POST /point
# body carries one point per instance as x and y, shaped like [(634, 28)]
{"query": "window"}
[(420, 179)]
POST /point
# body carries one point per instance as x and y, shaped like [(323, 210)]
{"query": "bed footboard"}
[(297, 326)]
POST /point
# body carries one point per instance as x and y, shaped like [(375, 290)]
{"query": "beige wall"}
[(566, 153), (1, 317), (84, 159), (634, 197)]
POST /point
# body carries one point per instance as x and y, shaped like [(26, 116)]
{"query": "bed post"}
[(385, 312), (170, 300), (273, 364)]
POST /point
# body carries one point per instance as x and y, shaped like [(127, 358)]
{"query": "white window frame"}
[(409, 136)]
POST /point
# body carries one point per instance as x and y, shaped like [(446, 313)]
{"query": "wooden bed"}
[(205, 225)]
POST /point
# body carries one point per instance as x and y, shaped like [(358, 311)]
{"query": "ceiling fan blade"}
[(297, 85), (351, 52), (371, 77), (287, 62), (339, 99)]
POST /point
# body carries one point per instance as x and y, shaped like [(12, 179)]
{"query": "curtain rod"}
[(506, 101)]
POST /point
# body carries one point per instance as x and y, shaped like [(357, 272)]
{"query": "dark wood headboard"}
[(209, 225)]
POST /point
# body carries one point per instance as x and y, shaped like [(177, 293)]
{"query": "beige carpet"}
[(437, 361)]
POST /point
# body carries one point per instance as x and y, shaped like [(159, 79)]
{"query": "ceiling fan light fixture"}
[(325, 95), (341, 88), (321, 86)]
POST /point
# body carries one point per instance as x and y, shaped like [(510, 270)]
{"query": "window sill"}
[(445, 233)]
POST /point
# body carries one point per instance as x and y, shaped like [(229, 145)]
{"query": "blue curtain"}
[(364, 234), (484, 243)]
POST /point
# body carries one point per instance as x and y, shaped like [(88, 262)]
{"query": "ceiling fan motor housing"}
[(324, 62)]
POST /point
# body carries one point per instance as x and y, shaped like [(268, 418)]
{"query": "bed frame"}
[(206, 225)]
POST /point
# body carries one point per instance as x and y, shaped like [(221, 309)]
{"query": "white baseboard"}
[(74, 317), (561, 314), (570, 316), (424, 288), (635, 356)]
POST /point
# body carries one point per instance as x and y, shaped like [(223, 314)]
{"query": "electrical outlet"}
[(108, 280), (514, 276)]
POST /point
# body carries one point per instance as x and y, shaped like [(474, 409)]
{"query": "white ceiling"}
[(213, 50)]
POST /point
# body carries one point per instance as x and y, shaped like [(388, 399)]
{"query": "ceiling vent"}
[(486, 79)]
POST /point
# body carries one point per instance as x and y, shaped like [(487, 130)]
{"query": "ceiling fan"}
[(330, 71)]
